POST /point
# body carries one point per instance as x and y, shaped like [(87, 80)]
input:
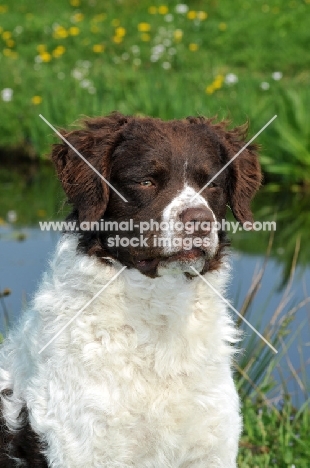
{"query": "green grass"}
[(75, 58), (274, 438)]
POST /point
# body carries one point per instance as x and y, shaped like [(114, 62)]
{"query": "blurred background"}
[(243, 60)]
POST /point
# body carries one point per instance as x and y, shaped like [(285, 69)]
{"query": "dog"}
[(138, 374)]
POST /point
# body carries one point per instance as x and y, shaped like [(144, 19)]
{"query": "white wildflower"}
[(11, 216), (18, 29), (265, 85), (277, 75), (86, 64), (231, 78), (166, 65), (85, 83), (181, 8), (77, 74), (158, 50), (168, 18), (154, 58), (167, 42), (7, 94), (135, 49)]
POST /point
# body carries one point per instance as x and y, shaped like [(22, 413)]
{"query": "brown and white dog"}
[(142, 376)]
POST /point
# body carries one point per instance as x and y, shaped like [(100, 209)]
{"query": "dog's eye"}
[(212, 185), (146, 183)]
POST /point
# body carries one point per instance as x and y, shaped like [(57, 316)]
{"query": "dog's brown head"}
[(161, 169)]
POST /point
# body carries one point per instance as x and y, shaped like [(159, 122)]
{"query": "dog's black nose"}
[(200, 217)]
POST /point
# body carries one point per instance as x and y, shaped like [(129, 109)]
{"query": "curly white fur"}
[(142, 378)]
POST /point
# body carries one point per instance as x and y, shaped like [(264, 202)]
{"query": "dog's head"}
[(167, 223)]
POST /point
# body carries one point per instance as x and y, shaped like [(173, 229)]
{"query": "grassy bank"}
[(245, 60), (274, 438)]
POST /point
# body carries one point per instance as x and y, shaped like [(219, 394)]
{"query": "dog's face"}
[(167, 223)]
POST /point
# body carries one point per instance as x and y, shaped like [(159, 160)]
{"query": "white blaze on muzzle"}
[(171, 217)]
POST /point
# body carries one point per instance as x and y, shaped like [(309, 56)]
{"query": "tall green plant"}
[(287, 150)]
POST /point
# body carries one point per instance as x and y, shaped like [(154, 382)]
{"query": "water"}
[(24, 255)]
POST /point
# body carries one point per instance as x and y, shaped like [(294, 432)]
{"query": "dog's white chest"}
[(141, 378)]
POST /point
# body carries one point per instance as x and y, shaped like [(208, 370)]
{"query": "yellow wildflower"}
[(145, 37), (36, 100), (75, 3), (117, 39), (77, 17), (41, 213), (60, 50), (60, 32), (3, 8), (191, 14), (74, 31), (100, 17), (218, 81), (210, 89), (97, 48), (178, 34), (144, 27), (41, 48), (9, 53), (217, 84), (202, 15), (10, 43), (193, 47), (163, 9), (45, 57), (6, 35), (152, 10), (222, 26), (120, 31)]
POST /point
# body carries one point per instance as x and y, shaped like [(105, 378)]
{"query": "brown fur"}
[(128, 149)]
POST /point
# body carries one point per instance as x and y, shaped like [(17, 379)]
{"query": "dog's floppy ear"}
[(245, 173), (85, 189)]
